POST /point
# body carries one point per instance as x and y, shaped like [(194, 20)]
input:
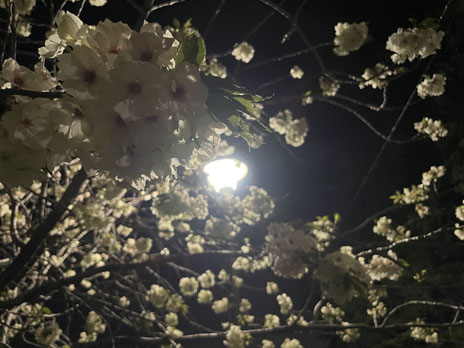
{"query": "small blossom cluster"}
[(296, 72), (431, 86), (419, 193), (349, 37), (380, 267), (426, 334), (409, 44), (244, 52), (295, 130), (329, 87), (434, 129), (384, 228), (376, 77)]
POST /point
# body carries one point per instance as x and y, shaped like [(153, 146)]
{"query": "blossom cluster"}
[(409, 44), (130, 106), (295, 130), (432, 128), (431, 86), (289, 248), (349, 37)]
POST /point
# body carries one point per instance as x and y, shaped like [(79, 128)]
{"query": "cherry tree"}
[(115, 233)]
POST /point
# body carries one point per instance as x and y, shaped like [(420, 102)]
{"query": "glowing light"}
[(225, 173)]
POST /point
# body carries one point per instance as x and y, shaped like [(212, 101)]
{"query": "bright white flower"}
[(433, 128), (285, 303), (25, 78), (110, 39), (409, 44), (220, 306), (188, 286), (296, 72), (349, 37), (153, 47), (431, 86), (243, 51), (70, 28), (82, 72)]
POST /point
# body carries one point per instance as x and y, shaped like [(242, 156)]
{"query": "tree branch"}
[(31, 250)]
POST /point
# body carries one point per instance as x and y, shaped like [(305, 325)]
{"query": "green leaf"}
[(46, 310), (192, 48)]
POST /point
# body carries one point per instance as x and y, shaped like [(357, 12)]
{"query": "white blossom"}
[(431, 86), (433, 128), (188, 286), (285, 303), (235, 338), (220, 306), (349, 37), (296, 72), (157, 295), (207, 279), (329, 87), (409, 44), (205, 296), (244, 52)]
